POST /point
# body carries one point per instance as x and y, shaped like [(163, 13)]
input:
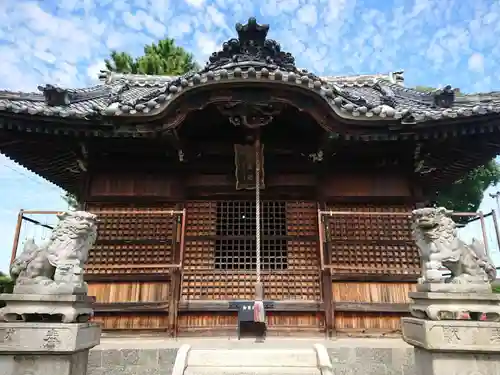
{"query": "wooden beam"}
[(116, 278), (213, 305), (160, 307), (372, 307), (203, 306), (375, 277)]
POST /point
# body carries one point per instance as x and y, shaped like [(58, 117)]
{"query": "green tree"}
[(164, 58), (71, 200), (6, 286), (466, 194), (496, 286), (6, 283)]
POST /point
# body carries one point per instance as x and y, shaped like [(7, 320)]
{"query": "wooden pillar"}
[(173, 305), (328, 302), (326, 277), (175, 275), (17, 234)]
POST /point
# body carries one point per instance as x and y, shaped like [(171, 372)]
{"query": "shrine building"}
[(170, 166)]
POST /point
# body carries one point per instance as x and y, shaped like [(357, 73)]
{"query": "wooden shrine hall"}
[(169, 164)]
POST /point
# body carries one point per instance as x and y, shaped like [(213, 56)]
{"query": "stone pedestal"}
[(453, 347), (454, 333), (46, 348), (46, 334)]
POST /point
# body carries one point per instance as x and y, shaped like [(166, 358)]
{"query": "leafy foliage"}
[(6, 286), (164, 58), (6, 283), (71, 200), (466, 194)]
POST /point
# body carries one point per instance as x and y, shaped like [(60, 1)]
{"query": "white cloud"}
[(476, 63), (196, 3), (308, 15)]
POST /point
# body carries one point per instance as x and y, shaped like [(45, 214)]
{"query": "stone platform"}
[(156, 356)]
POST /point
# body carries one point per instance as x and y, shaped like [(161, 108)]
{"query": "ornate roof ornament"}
[(252, 47), (444, 97), (56, 95)]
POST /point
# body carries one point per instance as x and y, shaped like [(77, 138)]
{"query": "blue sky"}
[(64, 42)]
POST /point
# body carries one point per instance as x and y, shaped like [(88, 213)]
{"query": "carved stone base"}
[(46, 308), (46, 348), (52, 288), (454, 347), (456, 306), (454, 288)]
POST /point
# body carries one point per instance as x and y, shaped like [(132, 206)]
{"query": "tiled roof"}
[(363, 97)]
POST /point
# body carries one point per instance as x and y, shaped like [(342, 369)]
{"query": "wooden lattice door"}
[(220, 257)]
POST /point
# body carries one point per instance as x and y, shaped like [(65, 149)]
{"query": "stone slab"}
[(452, 335), (37, 338), (66, 308), (252, 358), (455, 306), (484, 297), (46, 298), (42, 364), (438, 363), (132, 361), (252, 371), (454, 288)]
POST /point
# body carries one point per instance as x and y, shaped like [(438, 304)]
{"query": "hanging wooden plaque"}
[(244, 160)]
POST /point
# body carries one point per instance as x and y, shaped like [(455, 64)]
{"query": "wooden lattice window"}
[(235, 246), (369, 240)]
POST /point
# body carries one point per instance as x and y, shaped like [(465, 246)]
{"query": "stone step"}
[(195, 370), (253, 358)]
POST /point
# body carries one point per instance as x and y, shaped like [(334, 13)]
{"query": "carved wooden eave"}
[(376, 102), (251, 81)]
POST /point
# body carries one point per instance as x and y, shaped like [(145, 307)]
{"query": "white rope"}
[(257, 206)]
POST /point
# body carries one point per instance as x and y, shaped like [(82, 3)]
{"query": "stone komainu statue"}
[(57, 266), (436, 236)]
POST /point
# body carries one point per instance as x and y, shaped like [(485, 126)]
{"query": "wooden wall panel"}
[(360, 323), (135, 185), (278, 323), (120, 292), (365, 185), (372, 292), (191, 323), (143, 322), (367, 324), (127, 293)]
